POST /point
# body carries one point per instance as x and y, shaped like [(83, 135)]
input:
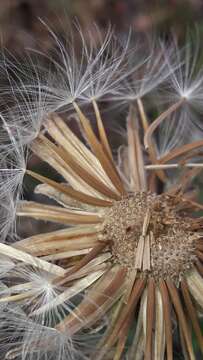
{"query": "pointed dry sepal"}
[(146, 256), (136, 350), (195, 284), (115, 313), (181, 318), (59, 242), (150, 319), (192, 313), (143, 116), (31, 260), (102, 132), (99, 299), (75, 167), (84, 261), (66, 139), (180, 151), (122, 338), (167, 319), (56, 214), (68, 190), (135, 154), (159, 336), (140, 252), (106, 163), (127, 310)]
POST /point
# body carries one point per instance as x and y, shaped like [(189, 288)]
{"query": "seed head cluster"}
[(172, 243)]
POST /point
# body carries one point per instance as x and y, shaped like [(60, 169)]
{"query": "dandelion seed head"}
[(126, 244), (30, 340), (41, 287), (94, 73), (12, 169), (6, 264), (146, 70), (185, 82)]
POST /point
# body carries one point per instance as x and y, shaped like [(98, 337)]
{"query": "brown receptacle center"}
[(147, 234)]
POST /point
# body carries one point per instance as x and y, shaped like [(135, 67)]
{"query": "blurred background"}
[(20, 26)]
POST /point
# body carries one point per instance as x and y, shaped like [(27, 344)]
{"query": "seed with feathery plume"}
[(126, 263)]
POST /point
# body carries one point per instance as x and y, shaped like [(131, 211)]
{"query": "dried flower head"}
[(127, 262)]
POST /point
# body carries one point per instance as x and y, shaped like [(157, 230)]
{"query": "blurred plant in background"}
[(20, 27)]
